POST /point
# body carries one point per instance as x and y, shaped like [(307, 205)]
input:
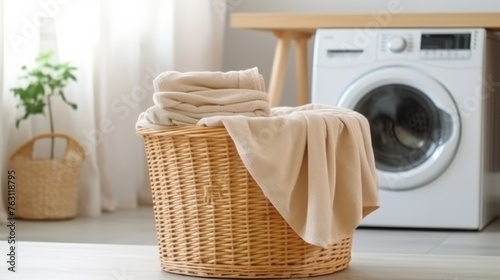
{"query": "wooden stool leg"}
[(279, 67), (302, 67)]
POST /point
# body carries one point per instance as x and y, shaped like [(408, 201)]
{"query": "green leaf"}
[(26, 115), (68, 75), (38, 107), (44, 57), (61, 93), (35, 90), (18, 121), (17, 91), (71, 104), (35, 107)]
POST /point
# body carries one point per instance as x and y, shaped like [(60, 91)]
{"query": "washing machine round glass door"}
[(414, 123)]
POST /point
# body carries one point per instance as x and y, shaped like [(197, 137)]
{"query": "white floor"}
[(136, 227), (83, 261)]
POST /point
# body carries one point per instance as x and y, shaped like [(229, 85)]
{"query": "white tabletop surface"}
[(69, 261)]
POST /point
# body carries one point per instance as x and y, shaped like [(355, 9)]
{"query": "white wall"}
[(247, 48)]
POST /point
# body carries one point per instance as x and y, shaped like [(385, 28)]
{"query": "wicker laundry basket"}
[(47, 189), (213, 220)]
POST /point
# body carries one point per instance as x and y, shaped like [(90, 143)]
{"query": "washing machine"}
[(430, 96)]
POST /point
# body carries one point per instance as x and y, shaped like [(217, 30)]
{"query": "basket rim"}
[(184, 130), (72, 145)]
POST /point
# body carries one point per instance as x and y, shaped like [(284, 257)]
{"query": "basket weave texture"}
[(213, 220), (47, 189)]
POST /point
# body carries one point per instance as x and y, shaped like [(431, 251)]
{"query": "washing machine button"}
[(397, 44)]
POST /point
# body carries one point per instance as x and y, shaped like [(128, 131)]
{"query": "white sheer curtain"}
[(118, 48), (3, 213)]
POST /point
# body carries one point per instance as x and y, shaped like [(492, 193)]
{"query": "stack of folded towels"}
[(314, 163), (185, 98)]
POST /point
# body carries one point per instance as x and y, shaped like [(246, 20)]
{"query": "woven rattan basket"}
[(213, 220), (47, 189)]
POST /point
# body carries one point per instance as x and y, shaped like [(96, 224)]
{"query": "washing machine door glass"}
[(414, 123), (406, 126)]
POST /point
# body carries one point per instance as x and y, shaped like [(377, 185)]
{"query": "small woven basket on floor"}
[(47, 189), (213, 220)]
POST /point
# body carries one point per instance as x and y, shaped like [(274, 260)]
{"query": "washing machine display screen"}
[(445, 41)]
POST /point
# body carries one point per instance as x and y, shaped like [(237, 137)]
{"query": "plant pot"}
[(47, 189)]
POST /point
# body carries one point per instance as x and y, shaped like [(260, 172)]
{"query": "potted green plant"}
[(44, 81), (46, 188)]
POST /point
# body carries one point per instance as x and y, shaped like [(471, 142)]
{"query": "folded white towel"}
[(315, 164), (178, 108), (185, 98), (204, 80)]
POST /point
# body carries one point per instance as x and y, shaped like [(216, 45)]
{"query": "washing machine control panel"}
[(445, 45), (429, 45)]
